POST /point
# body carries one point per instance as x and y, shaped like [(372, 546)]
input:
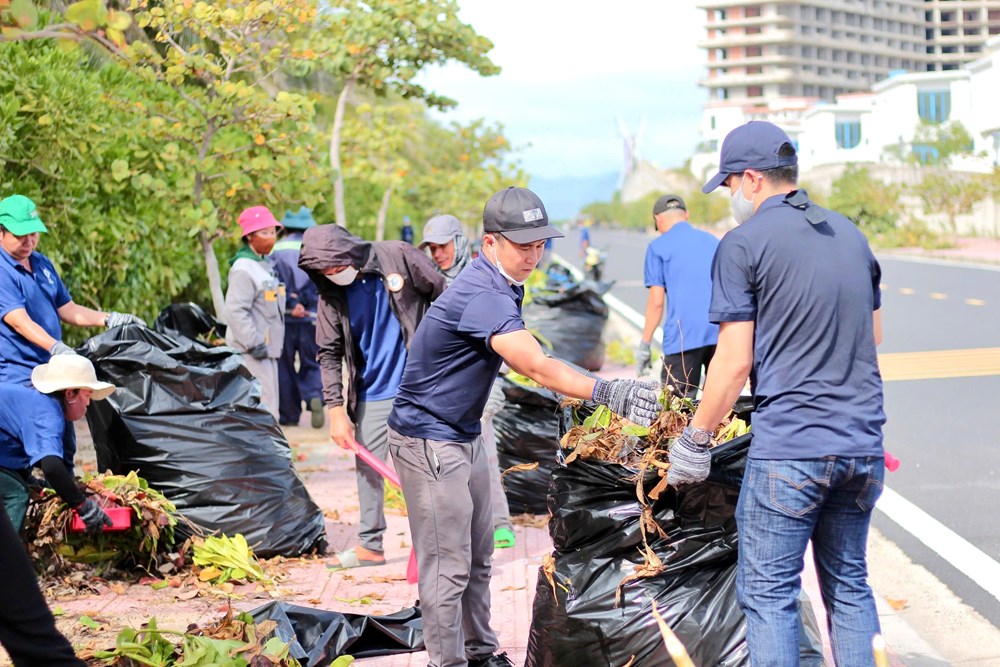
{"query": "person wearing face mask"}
[(255, 303), (449, 248), (795, 290), (678, 276), (372, 297), (34, 302), (435, 431), (36, 430)]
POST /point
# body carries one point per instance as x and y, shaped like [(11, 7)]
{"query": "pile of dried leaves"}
[(605, 436), (235, 641), (148, 545)]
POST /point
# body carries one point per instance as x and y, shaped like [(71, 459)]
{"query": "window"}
[(925, 154), (751, 11), (755, 69), (753, 52), (848, 133), (755, 91), (934, 106), (752, 30), (711, 122)]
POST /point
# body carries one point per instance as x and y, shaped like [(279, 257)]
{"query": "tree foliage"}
[(871, 204), (702, 209)]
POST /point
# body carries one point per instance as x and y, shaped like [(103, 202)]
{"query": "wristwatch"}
[(699, 436)]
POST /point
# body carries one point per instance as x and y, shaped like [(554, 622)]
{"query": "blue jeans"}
[(782, 505)]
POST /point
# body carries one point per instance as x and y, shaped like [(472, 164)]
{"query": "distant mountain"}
[(564, 197)]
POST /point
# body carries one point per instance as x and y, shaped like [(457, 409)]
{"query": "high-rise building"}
[(766, 49), (957, 29)]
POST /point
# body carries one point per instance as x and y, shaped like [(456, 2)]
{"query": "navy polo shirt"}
[(32, 426), (376, 333), (451, 365), (39, 291), (810, 289), (680, 261)]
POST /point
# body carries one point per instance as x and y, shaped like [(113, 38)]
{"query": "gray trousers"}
[(266, 371), (372, 432), (496, 403), (447, 491)]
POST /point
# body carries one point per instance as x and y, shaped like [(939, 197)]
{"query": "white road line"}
[(961, 554), (957, 551)]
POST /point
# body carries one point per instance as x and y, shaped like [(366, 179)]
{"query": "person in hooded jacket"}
[(255, 303), (448, 246), (372, 297)]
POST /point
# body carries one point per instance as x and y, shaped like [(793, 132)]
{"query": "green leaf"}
[(342, 661), (89, 622), (88, 14), (119, 170), (24, 13)]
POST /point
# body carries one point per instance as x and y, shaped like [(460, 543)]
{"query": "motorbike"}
[(593, 263)]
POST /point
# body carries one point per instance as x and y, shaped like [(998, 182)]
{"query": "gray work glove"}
[(258, 352), (61, 348), (633, 400), (643, 358), (93, 516), (689, 461), (118, 319)]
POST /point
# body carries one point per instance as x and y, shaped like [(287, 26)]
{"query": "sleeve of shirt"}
[(42, 434), (733, 298), (239, 303), (62, 294), (11, 297), (653, 272), (490, 315)]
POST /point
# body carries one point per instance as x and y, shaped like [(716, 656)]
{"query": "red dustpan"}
[(390, 475)]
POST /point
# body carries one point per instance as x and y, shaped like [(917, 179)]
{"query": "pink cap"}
[(256, 218)]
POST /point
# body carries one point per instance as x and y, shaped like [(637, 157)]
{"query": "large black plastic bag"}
[(188, 418), (595, 528), (188, 319), (572, 321), (527, 431), (317, 636)]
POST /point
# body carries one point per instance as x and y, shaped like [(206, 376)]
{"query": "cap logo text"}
[(533, 214)]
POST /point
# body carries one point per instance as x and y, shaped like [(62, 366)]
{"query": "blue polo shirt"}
[(810, 288), (680, 261), (32, 426), (451, 365), (377, 335), (39, 291)]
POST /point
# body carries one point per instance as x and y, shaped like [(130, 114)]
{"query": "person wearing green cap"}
[(33, 299)]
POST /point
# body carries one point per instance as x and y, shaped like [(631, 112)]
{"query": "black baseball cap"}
[(667, 203), (519, 215)]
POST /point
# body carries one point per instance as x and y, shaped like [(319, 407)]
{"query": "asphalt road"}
[(941, 363)]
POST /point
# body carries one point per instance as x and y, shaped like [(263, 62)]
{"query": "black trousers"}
[(683, 371), (27, 627)]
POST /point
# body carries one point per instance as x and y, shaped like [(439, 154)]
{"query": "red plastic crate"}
[(121, 519)]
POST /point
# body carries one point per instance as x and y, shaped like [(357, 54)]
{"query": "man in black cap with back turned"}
[(678, 275), (435, 436)]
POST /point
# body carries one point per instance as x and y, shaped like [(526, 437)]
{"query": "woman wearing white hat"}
[(36, 431)]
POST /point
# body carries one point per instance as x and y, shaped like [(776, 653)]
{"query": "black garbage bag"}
[(527, 431), (318, 637), (572, 322), (187, 417), (188, 319), (595, 528)]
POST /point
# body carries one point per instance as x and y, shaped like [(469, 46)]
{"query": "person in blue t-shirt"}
[(372, 297), (795, 290), (33, 299), (298, 372), (678, 274), (36, 430), (435, 433)]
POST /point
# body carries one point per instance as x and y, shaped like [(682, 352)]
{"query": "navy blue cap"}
[(751, 146)]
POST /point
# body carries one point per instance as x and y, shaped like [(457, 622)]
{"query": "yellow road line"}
[(938, 296), (907, 290), (974, 362), (975, 302)]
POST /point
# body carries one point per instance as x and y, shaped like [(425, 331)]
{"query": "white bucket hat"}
[(69, 371)]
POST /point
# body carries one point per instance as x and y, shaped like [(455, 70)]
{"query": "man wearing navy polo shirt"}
[(678, 275), (435, 435), (795, 290), (33, 299)]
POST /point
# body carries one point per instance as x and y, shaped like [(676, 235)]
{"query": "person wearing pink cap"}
[(255, 303)]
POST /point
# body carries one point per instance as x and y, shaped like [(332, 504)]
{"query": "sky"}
[(569, 68)]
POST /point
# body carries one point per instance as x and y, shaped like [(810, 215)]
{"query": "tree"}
[(86, 20), (870, 204), (228, 136), (942, 142), (952, 194), (381, 46)]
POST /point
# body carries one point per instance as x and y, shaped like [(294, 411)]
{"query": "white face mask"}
[(740, 206), (344, 278), (496, 257)]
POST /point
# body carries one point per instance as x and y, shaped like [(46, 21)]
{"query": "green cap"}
[(19, 216)]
